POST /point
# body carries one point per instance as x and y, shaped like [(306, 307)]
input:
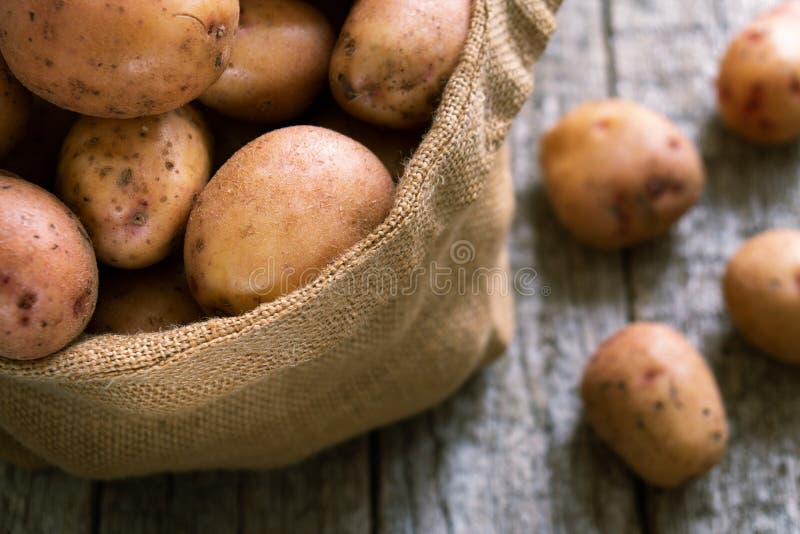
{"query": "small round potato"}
[(394, 57), (279, 62), (762, 293), (132, 182), (758, 87), (649, 394), (14, 110), (617, 173), (277, 212), (48, 272), (147, 300), (118, 59)]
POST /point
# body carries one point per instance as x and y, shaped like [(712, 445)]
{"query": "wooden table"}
[(511, 452)]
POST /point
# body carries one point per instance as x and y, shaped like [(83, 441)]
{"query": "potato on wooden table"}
[(617, 173), (649, 394), (762, 292), (758, 87), (48, 272)]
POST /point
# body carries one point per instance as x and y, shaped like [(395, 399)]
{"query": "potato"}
[(650, 395), (147, 300), (762, 293), (617, 173), (48, 272), (393, 147), (758, 87), (14, 110), (277, 212), (279, 62), (120, 59), (132, 182), (394, 57)]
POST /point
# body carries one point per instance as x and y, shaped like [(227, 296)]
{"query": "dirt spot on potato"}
[(347, 89), (27, 300), (658, 185)]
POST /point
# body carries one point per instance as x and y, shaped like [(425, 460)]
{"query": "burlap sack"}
[(393, 327)]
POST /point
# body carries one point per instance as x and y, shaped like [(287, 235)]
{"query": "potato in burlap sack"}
[(371, 341)]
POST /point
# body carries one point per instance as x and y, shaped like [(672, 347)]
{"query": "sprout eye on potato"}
[(146, 300), (277, 212), (48, 272), (393, 58), (279, 62), (617, 173), (132, 182), (758, 86), (762, 293), (14, 110), (649, 394), (118, 59)]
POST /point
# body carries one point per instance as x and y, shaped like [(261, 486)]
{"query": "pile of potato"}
[(618, 174), (288, 159)]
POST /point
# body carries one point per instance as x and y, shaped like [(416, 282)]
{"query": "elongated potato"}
[(48, 272), (145, 300), (132, 182), (279, 62), (650, 395), (14, 110), (118, 59), (277, 212), (762, 292), (394, 57)]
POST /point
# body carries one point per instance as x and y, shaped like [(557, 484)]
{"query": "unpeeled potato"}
[(279, 211), (14, 110)]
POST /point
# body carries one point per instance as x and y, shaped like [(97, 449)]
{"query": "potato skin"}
[(147, 300), (758, 87), (617, 173), (14, 110), (277, 212), (118, 60), (279, 62), (48, 276), (649, 394), (132, 182), (762, 293), (394, 57)]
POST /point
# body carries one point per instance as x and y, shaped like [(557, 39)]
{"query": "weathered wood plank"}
[(509, 452), (44, 502), (666, 56)]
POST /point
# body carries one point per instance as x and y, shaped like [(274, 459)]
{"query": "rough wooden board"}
[(666, 56), (43, 502), (329, 493), (509, 453)]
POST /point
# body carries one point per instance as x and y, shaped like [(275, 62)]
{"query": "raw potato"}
[(617, 173), (148, 300), (394, 57), (118, 59), (279, 62), (762, 293), (48, 273), (650, 395), (133, 181), (14, 110), (277, 212), (758, 87)]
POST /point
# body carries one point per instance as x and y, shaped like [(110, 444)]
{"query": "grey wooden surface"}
[(510, 452)]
